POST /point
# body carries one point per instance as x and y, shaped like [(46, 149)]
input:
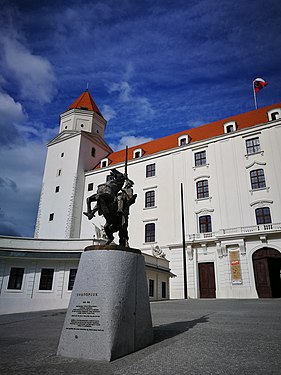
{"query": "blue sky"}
[(153, 67)]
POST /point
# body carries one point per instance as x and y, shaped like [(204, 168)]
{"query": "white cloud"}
[(20, 182), (130, 141), (108, 112), (11, 111), (140, 104), (11, 114), (34, 74)]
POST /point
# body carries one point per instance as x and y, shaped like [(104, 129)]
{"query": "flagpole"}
[(255, 96)]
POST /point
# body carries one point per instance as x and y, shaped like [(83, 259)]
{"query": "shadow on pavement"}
[(167, 331)]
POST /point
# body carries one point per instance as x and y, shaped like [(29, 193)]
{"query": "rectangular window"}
[(257, 179), (150, 199), (90, 186), (57, 189), (72, 276), (51, 217), (46, 279), (151, 288), (202, 188), (200, 158), (15, 278), (59, 171), (62, 155), (205, 224), (150, 170), (164, 291), (253, 145), (263, 215), (150, 232), (93, 152)]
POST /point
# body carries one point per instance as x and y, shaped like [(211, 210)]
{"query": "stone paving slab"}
[(190, 337)]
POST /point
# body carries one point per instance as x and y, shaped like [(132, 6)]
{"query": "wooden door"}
[(262, 278), (207, 282), (267, 266)]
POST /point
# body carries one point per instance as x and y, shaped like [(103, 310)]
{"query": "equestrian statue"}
[(113, 200)]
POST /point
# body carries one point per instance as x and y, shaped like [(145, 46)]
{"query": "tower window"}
[(15, 278), (90, 186), (82, 125), (57, 189), (59, 172), (51, 217), (93, 152), (62, 155)]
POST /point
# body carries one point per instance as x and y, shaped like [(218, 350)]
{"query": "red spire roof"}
[(214, 129), (85, 101)]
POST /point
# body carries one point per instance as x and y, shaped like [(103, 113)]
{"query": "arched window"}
[(257, 179), (230, 127), (150, 232), (183, 140), (202, 188), (263, 215)]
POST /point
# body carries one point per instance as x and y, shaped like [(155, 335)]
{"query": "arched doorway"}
[(267, 271)]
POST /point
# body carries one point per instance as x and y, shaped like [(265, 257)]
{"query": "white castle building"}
[(230, 173)]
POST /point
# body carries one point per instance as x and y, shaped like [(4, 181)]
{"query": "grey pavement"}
[(190, 337)]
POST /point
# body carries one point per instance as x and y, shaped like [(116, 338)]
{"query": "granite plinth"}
[(109, 312)]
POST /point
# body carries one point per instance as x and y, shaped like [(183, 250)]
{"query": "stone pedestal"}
[(109, 313)]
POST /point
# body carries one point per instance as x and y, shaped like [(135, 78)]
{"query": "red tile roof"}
[(85, 101), (213, 129)]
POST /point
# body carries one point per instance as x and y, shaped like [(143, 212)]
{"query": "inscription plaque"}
[(85, 316)]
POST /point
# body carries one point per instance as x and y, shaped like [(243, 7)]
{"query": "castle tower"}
[(77, 148)]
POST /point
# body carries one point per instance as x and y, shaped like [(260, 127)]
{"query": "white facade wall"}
[(60, 255), (231, 205)]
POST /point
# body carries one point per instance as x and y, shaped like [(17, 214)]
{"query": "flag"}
[(259, 84)]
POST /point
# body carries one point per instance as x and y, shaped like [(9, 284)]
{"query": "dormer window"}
[(230, 127), (104, 163), (274, 114), (138, 153), (183, 140)]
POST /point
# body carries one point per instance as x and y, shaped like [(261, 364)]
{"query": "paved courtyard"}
[(190, 337)]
